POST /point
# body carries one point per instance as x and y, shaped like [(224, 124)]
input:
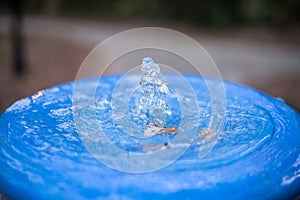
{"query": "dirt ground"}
[(267, 60)]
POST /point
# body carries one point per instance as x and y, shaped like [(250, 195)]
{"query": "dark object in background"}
[(17, 37)]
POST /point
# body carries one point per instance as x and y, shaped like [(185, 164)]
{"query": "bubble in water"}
[(152, 104)]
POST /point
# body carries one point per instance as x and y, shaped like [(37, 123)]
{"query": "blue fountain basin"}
[(257, 155)]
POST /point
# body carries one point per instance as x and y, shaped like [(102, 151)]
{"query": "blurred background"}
[(255, 42)]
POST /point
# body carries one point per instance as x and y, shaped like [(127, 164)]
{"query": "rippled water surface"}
[(257, 151)]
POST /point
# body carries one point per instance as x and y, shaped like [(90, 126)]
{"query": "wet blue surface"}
[(257, 155)]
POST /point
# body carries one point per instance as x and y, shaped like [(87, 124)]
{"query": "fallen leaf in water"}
[(171, 131)]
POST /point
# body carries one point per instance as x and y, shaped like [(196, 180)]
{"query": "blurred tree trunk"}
[(17, 36)]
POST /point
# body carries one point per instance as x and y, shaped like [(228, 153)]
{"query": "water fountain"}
[(148, 135)]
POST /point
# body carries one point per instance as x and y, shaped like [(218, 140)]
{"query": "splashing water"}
[(152, 105)]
